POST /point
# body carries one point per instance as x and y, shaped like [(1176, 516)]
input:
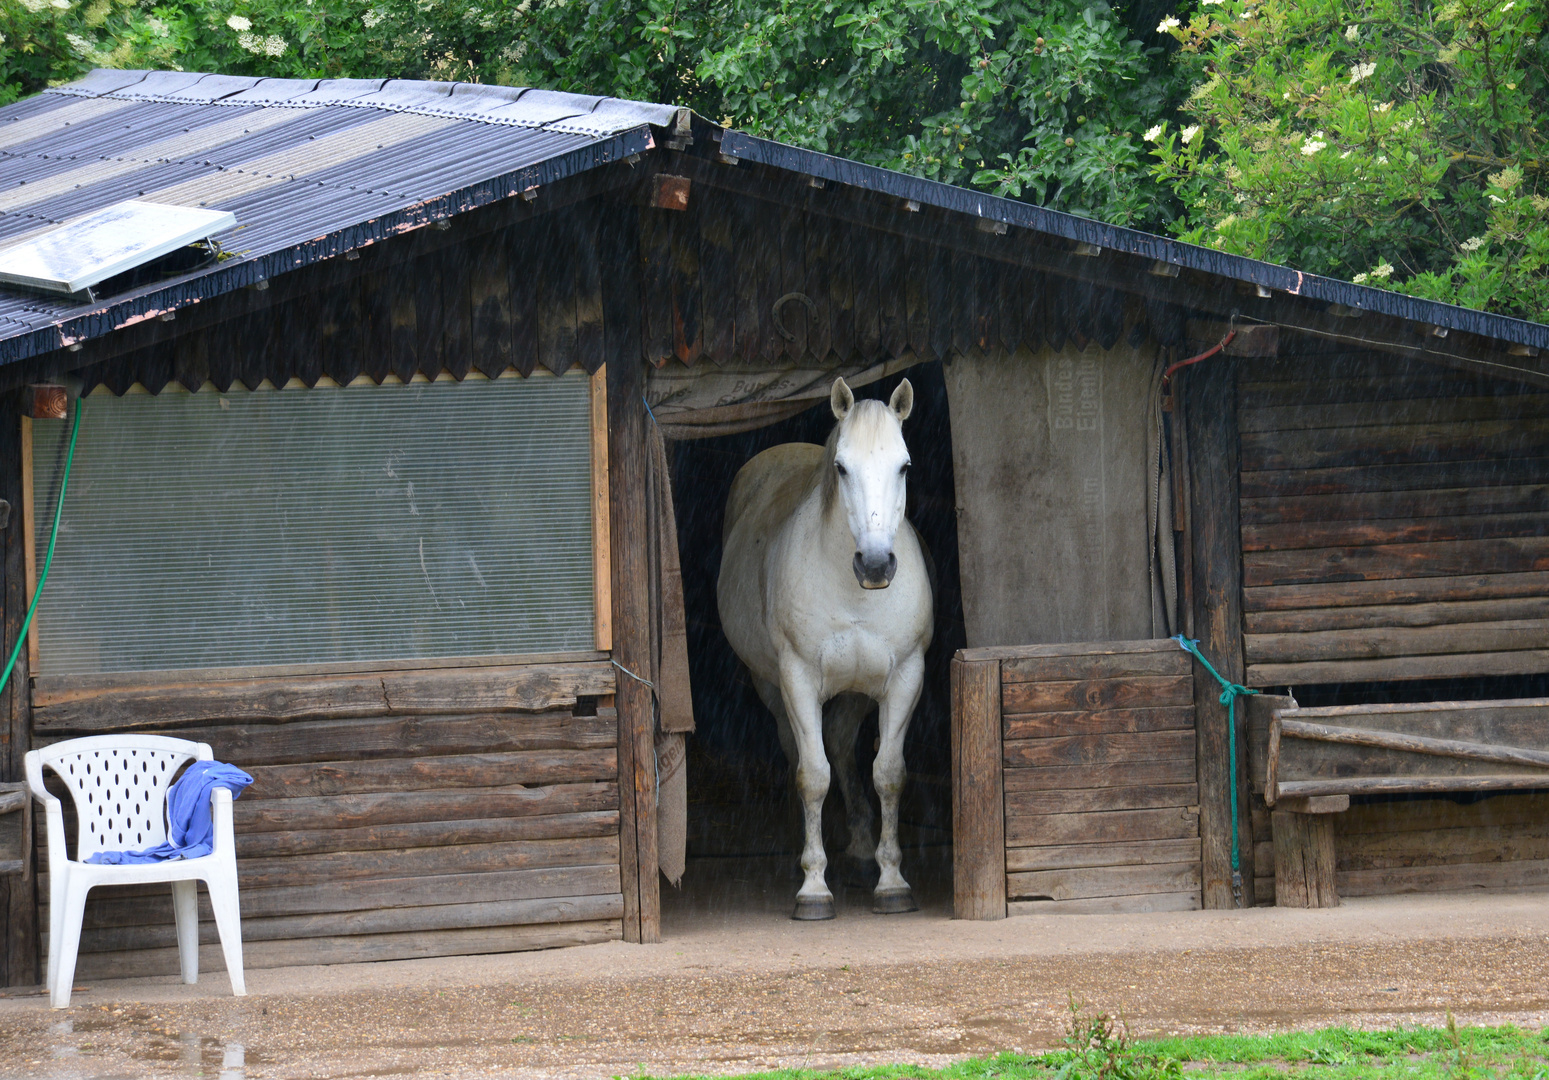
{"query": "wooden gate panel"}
[(1097, 785)]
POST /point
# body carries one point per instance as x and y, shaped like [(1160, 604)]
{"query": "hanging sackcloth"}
[(669, 665)]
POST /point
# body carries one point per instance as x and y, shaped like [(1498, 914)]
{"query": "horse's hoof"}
[(813, 908), (893, 901)]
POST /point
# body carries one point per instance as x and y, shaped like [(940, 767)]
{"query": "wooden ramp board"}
[(1099, 795)]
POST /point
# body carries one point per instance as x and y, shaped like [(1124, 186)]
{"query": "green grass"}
[(1097, 1047)]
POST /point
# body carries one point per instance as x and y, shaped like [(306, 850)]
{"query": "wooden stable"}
[(1350, 493)]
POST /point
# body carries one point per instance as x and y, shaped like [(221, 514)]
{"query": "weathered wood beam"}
[(1211, 411), (979, 815), (627, 480)]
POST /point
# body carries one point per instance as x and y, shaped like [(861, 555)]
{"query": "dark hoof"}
[(813, 908), (893, 901)]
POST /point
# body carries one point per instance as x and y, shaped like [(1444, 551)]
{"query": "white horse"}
[(824, 595)]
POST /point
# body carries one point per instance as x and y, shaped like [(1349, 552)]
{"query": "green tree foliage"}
[(1036, 100), (1398, 143)]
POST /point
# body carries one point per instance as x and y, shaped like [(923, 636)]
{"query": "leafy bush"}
[(1394, 143), (1043, 100)]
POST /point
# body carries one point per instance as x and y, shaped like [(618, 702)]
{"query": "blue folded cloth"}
[(190, 831)]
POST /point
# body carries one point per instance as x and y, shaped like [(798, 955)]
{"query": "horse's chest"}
[(858, 660)]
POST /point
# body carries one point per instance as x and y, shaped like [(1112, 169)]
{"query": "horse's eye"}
[(842, 470)]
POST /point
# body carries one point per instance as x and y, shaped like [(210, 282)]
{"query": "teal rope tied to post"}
[(1230, 692), (53, 537)]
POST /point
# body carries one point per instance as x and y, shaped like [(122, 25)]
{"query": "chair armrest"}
[(225, 839), (53, 812)]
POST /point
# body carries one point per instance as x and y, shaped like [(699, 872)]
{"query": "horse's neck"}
[(831, 538)]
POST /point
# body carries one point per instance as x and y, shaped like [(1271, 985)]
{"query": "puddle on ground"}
[(77, 1041)]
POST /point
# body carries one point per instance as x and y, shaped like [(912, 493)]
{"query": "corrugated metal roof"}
[(310, 168)]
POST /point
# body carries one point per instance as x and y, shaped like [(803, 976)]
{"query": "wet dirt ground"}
[(746, 989)]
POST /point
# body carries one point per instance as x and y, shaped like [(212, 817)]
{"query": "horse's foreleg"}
[(892, 893), (805, 711), (841, 725)]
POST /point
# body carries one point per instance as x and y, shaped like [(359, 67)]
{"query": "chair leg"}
[(56, 924), (228, 920), (68, 943), (185, 909)]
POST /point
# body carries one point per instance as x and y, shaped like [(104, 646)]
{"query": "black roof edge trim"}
[(1131, 241), (231, 276)]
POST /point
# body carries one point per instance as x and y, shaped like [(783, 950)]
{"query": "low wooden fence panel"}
[(1075, 782)]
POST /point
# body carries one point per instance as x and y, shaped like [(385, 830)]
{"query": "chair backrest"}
[(119, 786)]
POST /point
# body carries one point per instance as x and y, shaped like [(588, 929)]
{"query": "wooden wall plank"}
[(490, 913), (1456, 666), (400, 736), (590, 343), (978, 816), (1380, 410), (1375, 642), (1128, 665), (1094, 694), (389, 807), (1111, 721), (627, 456), (1210, 401), (1044, 830), (533, 688), (1396, 591), (19, 957), (1081, 883), (1118, 774), (467, 830), (1309, 620), (1133, 853), (719, 294), (1099, 749), (685, 283), (369, 895), (1395, 444), (1143, 903), (355, 949), (1382, 505), (1389, 561), (1086, 800), (449, 773), (1525, 470)]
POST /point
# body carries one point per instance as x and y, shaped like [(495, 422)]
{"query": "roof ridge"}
[(486, 103)]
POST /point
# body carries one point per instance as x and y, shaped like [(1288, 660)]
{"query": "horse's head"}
[(868, 464)]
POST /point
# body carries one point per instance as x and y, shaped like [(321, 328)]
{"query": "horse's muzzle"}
[(877, 575)]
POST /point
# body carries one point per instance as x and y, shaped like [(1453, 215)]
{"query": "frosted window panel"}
[(311, 526)]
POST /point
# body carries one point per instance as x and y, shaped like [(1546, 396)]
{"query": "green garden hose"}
[(53, 536)]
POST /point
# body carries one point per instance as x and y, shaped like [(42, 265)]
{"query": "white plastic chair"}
[(119, 785)]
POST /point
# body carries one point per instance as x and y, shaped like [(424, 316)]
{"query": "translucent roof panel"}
[(80, 253)]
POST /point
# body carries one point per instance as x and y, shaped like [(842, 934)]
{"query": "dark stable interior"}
[(744, 821)]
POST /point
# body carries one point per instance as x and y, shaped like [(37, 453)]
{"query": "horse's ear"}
[(902, 402), (840, 399)]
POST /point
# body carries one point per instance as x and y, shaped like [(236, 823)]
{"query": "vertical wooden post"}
[(1215, 537), (627, 478), (978, 798), (18, 895), (1304, 860), (602, 546)]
